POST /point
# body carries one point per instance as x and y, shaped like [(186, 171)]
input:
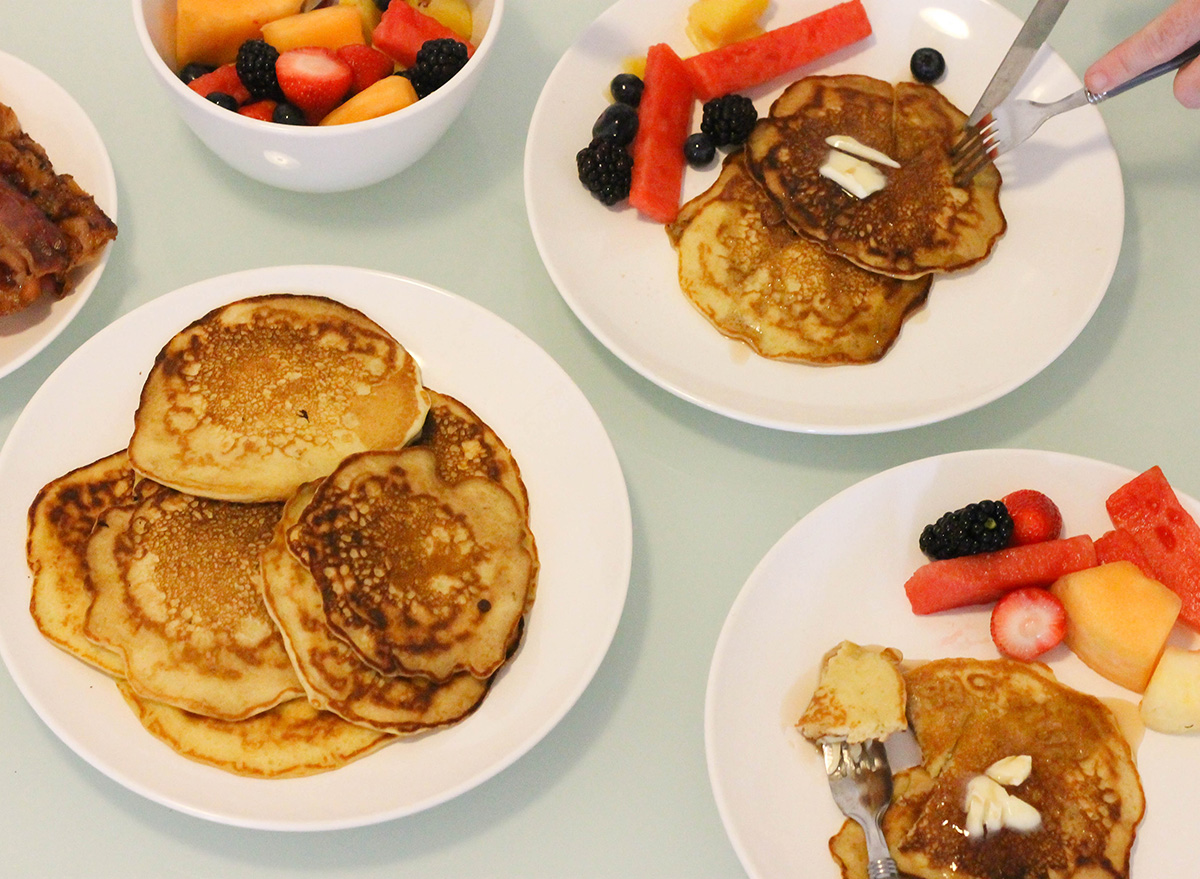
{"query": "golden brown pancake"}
[(860, 695), (757, 281), (262, 395), (333, 675), (967, 714), (418, 575), (60, 522), (920, 222), (290, 740), (177, 586)]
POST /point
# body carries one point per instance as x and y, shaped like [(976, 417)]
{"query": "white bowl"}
[(313, 158)]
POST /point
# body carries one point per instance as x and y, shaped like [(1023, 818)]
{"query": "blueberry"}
[(618, 122), (223, 100), (195, 70), (927, 65), (626, 89), (699, 149), (287, 114)]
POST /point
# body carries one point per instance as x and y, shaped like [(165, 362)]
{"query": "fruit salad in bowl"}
[(318, 95)]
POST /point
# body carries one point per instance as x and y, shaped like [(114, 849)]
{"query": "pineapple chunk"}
[(210, 31), (1118, 620), (454, 14), (1171, 703), (715, 23), (378, 99), (331, 27), (368, 11)]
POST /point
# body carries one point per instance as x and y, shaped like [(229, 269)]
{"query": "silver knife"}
[(1033, 33)]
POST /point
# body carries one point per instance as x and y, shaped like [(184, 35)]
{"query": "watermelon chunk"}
[(403, 30), (664, 118), (1118, 545), (1166, 533), (748, 63), (225, 80), (979, 579)]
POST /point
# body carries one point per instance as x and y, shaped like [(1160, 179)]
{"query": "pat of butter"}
[(848, 144), (857, 177), (1010, 771), (990, 808)]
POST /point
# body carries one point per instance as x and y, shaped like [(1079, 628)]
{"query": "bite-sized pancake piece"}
[(418, 575), (61, 518), (290, 740), (178, 594), (262, 395), (920, 221), (860, 695), (333, 675), (785, 296), (967, 714)]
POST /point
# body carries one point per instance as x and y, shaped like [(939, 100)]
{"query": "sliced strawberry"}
[(368, 64), (1035, 517), (263, 109), (314, 79), (1028, 622), (224, 79)]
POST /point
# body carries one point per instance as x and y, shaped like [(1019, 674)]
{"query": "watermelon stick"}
[(754, 61), (664, 118)]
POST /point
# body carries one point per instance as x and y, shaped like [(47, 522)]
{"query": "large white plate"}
[(578, 503), (982, 333), (51, 117), (839, 574)]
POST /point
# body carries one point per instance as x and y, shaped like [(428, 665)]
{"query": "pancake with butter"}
[(419, 575), (860, 695), (262, 395), (333, 675), (292, 739), (177, 586), (967, 714), (749, 273), (919, 222), (61, 519)]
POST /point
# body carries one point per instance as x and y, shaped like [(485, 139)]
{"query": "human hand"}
[(1162, 39)]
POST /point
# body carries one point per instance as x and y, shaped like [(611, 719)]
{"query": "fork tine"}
[(975, 154)]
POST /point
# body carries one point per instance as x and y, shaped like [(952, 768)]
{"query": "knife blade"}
[(1030, 38)]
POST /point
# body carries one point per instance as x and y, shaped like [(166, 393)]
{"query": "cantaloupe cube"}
[(715, 23), (1118, 620), (330, 27), (384, 96), (210, 31), (368, 11), (454, 14), (1171, 703)]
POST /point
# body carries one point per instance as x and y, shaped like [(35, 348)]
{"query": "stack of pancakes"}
[(303, 553), (778, 256)]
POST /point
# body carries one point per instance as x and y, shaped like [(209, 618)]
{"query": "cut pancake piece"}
[(288, 741), (334, 676), (919, 222), (418, 575), (61, 519), (756, 280), (966, 715), (262, 395), (177, 585), (860, 695)]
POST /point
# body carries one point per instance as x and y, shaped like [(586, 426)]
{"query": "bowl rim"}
[(428, 104)]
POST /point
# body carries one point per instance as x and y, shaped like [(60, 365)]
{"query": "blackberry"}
[(256, 69), (437, 61), (699, 150), (195, 70), (618, 122), (605, 170), (984, 526), (729, 119), (626, 88), (927, 65)]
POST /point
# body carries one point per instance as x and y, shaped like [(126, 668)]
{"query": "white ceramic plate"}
[(982, 334), (580, 515), (51, 117), (839, 574)]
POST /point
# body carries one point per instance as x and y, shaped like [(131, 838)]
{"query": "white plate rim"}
[(1163, 760), (723, 376), (53, 118), (515, 719)]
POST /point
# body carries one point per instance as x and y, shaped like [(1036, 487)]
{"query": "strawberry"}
[(1028, 622), (263, 109), (368, 63), (1035, 517), (224, 79), (314, 79)]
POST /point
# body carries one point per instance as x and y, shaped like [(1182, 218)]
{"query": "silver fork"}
[(861, 783), (1013, 121)]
